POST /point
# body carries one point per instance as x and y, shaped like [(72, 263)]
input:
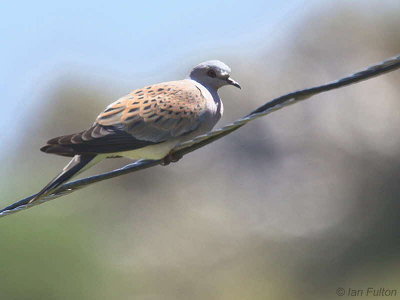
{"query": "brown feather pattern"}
[(144, 117)]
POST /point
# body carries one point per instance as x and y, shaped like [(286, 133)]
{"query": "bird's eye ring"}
[(212, 73)]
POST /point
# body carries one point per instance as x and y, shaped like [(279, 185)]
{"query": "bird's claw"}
[(171, 157)]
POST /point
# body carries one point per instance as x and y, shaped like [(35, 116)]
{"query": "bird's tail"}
[(77, 165)]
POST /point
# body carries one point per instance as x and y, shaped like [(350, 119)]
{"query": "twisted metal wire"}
[(388, 65)]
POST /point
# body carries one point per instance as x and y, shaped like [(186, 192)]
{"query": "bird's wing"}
[(144, 117), (158, 112)]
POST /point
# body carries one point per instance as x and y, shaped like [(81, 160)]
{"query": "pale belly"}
[(157, 151)]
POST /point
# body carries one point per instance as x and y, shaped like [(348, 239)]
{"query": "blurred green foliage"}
[(290, 207)]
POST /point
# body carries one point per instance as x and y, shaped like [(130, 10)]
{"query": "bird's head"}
[(213, 73)]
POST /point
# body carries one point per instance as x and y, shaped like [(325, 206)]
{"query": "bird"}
[(145, 124)]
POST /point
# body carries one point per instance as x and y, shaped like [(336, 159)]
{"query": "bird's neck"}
[(214, 94), (211, 89)]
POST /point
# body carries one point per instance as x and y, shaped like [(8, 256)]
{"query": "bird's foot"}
[(171, 157)]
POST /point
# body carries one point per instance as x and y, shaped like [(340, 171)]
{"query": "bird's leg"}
[(171, 157)]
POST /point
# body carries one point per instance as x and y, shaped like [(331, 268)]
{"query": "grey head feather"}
[(213, 74)]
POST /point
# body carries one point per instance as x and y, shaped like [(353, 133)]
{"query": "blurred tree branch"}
[(200, 141)]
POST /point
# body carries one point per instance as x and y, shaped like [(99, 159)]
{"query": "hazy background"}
[(292, 206)]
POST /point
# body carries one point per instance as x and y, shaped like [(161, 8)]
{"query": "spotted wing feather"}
[(159, 112), (144, 117)]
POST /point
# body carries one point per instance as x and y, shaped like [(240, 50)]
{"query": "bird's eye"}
[(212, 74)]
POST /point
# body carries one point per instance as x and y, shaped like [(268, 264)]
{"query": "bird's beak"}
[(233, 82)]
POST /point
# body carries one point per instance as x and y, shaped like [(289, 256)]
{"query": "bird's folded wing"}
[(157, 112), (144, 117)]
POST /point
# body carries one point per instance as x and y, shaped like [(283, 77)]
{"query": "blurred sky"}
[(289, 207), (104, 40)]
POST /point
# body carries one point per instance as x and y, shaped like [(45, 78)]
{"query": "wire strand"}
[(278, 103)]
